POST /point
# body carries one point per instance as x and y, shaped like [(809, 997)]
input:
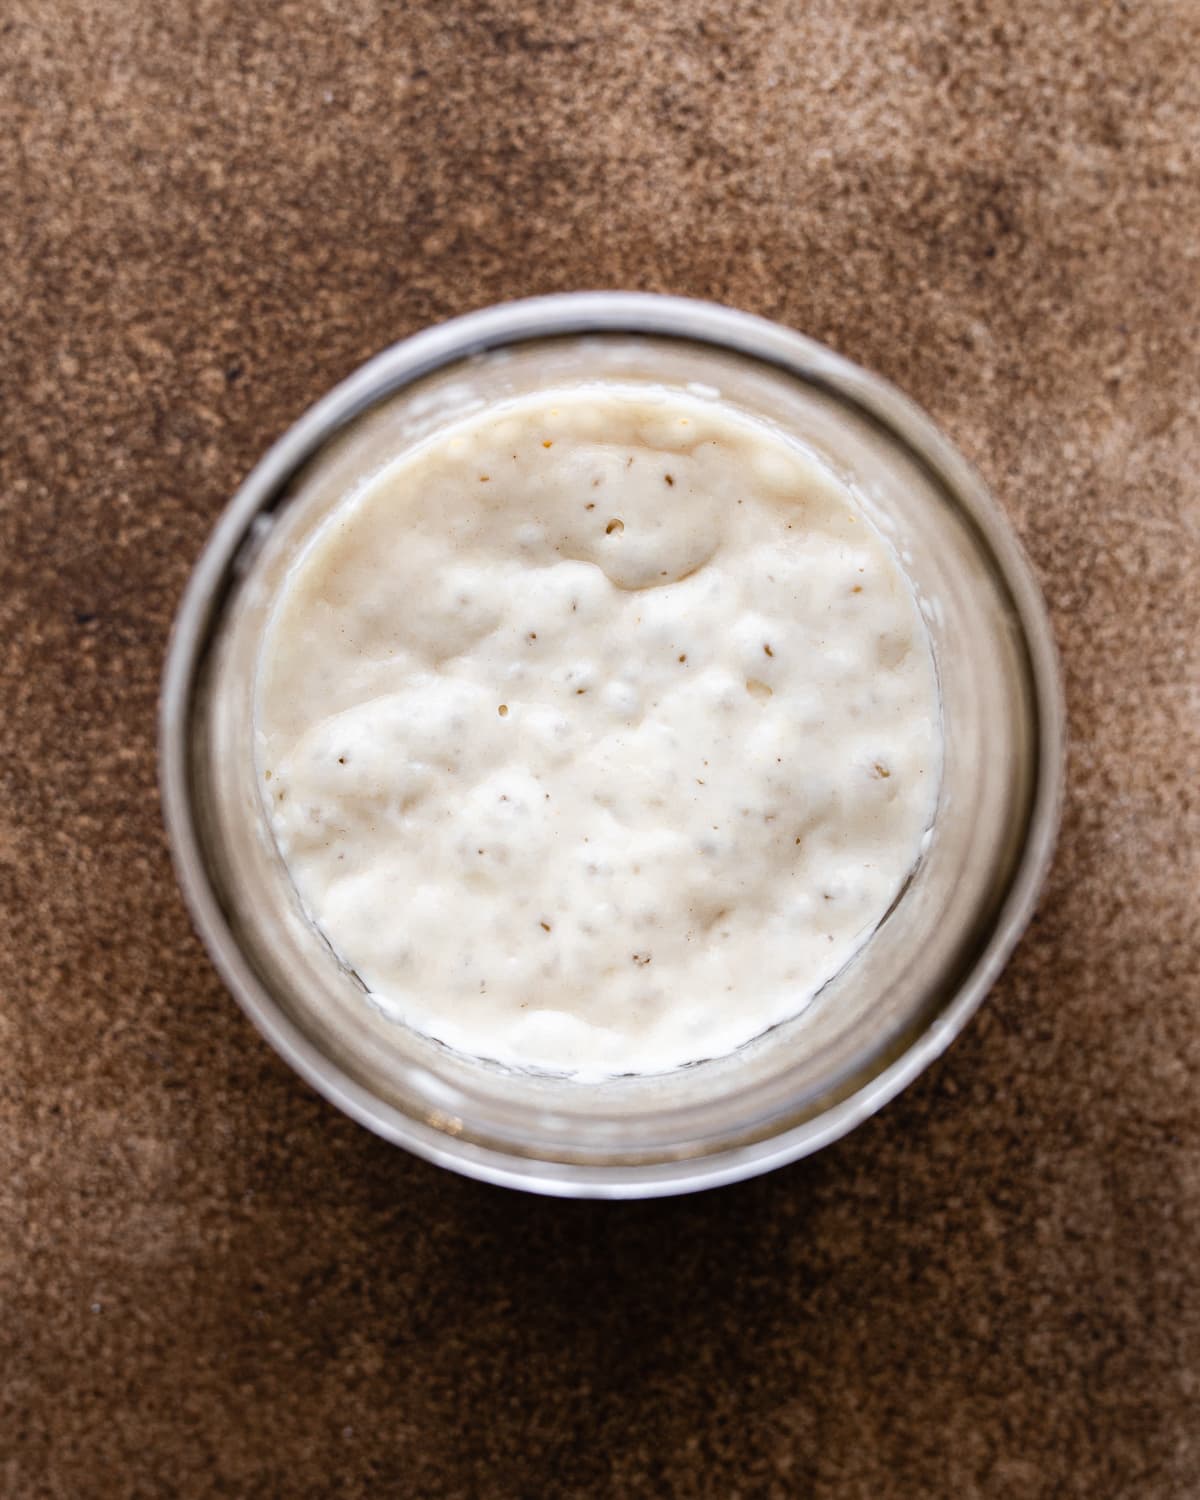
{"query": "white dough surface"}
[(598, 731)]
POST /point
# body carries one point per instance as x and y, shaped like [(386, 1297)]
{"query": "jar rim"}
[(580, 314)]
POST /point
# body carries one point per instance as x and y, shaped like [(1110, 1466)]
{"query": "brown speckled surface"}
[(213, 1284)]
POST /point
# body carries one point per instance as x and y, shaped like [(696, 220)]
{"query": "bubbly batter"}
[(598, 731)]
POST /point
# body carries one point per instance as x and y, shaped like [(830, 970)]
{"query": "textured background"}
[(211, 1282)]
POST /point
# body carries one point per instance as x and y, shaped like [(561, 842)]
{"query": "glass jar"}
[(870, 1030)]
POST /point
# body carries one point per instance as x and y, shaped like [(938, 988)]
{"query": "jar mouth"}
[(693, 1159)]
